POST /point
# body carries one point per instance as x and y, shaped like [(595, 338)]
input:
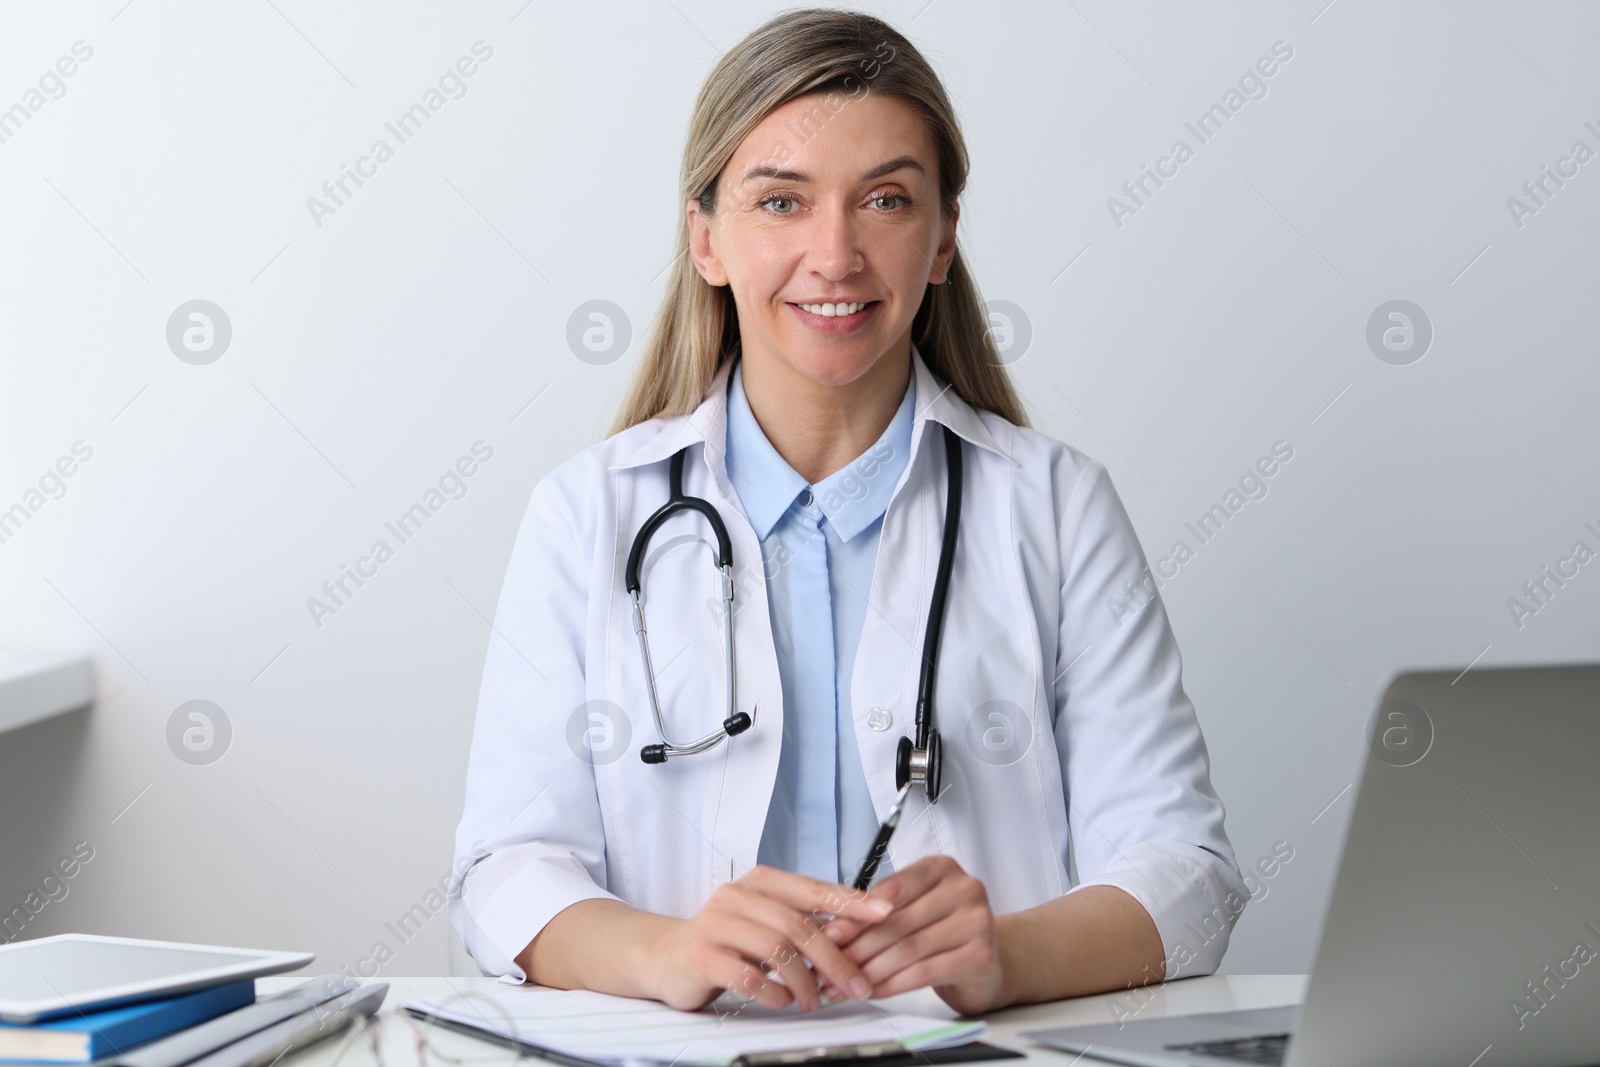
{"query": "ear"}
[(947, 248), (701, 250)]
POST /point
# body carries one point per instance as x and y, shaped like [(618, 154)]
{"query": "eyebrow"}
[(785, 175)]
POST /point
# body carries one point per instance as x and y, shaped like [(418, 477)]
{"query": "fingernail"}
[(879, 907), (832, 998), (860, 988), (833, 933)]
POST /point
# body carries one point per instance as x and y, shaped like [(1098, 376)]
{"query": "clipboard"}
[(970, 1052)]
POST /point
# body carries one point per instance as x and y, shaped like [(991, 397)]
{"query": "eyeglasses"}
[(369, 1030)]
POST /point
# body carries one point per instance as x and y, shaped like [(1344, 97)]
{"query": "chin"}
[(833, 363)]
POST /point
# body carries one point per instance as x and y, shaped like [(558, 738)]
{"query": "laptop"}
[(1464, 925)]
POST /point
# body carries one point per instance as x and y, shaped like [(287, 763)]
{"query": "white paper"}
[(623, 1031)]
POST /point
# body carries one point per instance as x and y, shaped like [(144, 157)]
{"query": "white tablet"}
[(61, 975)]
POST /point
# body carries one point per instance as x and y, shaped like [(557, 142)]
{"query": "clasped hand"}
[(780, 937)]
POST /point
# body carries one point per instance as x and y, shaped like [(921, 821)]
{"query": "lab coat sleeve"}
[(1141, 810), (531, 841)]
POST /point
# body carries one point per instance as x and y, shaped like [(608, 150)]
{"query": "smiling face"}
[(849, 217)]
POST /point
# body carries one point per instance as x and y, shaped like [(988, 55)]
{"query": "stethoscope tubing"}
[(941, 587), (735, 722), (921, 761)]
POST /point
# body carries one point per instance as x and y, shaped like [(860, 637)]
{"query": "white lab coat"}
[(1040, 628)]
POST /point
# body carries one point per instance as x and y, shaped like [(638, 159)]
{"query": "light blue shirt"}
[(819, 544)]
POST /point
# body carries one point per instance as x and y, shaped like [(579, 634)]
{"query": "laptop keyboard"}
[(1266, 1049)]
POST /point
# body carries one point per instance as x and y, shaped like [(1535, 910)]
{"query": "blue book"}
[(110, 1031)]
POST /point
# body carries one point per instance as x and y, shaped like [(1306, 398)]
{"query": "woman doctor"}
[(820, 338)]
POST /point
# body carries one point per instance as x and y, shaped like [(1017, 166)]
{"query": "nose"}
[(835, 251)]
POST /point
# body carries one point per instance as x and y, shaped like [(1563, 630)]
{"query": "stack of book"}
[(106, 1032), (162, 1004)]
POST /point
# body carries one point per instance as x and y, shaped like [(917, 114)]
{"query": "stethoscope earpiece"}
[(736, 722), (732, 726)]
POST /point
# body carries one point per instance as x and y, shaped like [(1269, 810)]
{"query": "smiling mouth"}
[(831, 310), (837, 318)]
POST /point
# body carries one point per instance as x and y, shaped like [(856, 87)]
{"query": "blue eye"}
[(783, 198)]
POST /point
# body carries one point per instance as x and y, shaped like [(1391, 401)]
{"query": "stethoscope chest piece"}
[(923, 765)]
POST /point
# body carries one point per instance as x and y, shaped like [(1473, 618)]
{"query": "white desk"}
[(398, 1045)]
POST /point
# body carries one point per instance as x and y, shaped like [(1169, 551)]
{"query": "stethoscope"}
[(919, 761)]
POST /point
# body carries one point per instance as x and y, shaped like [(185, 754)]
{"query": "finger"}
[(814, 896), (941, 968), (802, 932), (740, 976), (900, 931), (952, 932), (901, 889), (843, 931), (787, 964), (799, 979), (905, 885), (754, 947), (774, 950)]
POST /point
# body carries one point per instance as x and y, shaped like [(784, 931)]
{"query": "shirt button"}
[(880, 719), (805, 499)]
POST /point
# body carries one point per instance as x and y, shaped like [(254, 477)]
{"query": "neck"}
[(819, 429)]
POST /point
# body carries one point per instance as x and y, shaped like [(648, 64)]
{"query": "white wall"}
[(371, 351)]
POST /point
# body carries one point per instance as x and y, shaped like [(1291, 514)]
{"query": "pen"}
[(880, 844), (869, 867)]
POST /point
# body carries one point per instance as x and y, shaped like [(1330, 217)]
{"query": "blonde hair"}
[(797, 52)]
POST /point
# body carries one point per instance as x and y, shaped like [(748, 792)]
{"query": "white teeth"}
[(832, 310)]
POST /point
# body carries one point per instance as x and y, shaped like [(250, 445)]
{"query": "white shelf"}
[(35, 685)]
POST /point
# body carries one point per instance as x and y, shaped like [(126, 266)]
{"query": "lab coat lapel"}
[(889, 659), (743, 769), (736, 814)]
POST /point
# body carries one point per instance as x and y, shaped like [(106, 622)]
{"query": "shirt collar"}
[(852, 497), (707, 424)]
